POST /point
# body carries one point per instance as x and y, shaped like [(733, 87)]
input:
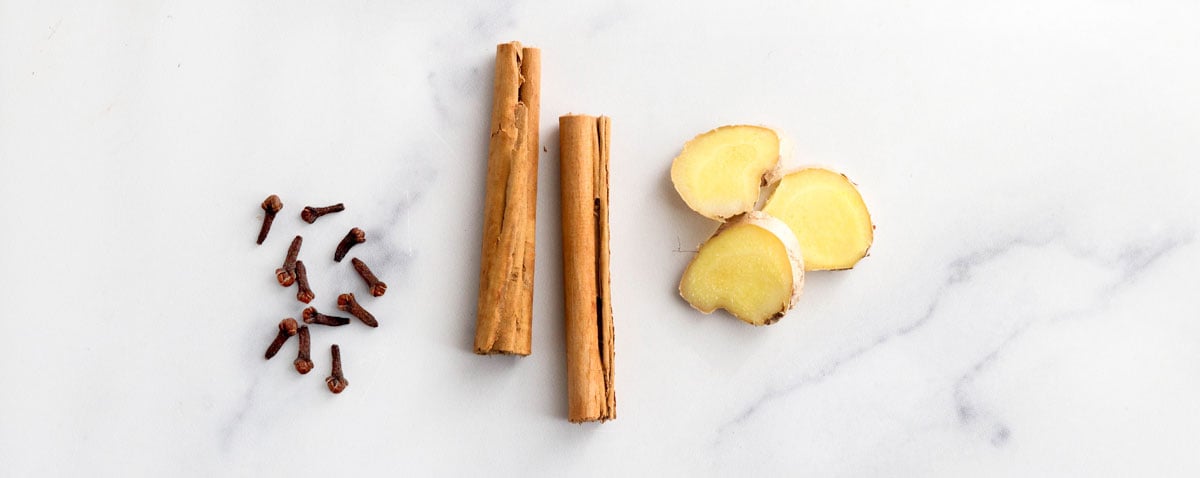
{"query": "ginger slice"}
[(719, 173), (828, 216), (752, 267)]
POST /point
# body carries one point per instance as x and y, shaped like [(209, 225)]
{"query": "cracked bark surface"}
[(505, 310)]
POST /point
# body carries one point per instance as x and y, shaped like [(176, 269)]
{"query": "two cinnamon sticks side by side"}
[(505, 310)]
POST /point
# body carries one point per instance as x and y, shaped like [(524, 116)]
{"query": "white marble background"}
[(1029, 308)]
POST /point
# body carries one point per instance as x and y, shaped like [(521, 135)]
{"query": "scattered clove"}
[(336, 381), (286, 275), (310, 214), (311, 316), (346, 303), (271, 205), (303, 293), (303, 363), (376, 286), (355, 236), (293, 271), (287, 328)]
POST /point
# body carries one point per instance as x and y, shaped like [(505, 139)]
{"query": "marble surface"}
[(1029, 307)]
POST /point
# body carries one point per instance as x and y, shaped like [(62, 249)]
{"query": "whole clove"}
[(286, 275), (310, 214), (336, 381), (271, 205), (304, 293), (355, 236), (287, 328), (377, 287), (303, 362), (311, 316), (346, 303)]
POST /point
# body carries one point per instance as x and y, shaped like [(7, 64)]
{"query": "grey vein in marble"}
[(234, 423), (1135, 260), (1131, 263)]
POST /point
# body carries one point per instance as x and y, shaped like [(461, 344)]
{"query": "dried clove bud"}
[(311, 316), (336, 381), (376, 286), (303, 363), (286, 275), (355, 236), (347, 303), (287, 328), (310, 214), (303, 293), (271, 205)]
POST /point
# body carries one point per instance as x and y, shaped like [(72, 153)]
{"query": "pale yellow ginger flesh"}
[(747, 269), (828, 216), (719, 173)]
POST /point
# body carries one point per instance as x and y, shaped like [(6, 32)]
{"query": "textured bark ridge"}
[(584, 163), (505, 311)]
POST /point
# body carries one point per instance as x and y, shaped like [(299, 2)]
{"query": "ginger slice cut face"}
[(827, 215), (752, 268), (719, 173)]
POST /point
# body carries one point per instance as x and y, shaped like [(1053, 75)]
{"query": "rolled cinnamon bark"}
[(505, 311), (589, 328)]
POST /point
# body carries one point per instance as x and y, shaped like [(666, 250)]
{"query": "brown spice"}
[(584, 156), (311, 316), (271, 205), (303, 293), (355, 236), (377, 287), (347, 303), (504, 315), (336, 381), (310, 214), (286, 275), (303, 363), (287, 328)]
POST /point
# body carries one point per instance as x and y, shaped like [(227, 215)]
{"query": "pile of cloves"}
[(293, 272)]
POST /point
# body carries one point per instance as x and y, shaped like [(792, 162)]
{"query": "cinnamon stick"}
[(584, 157), (505, 310)]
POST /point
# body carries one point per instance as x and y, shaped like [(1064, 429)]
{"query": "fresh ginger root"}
[(752, 267), (719, 173), (827, 215)]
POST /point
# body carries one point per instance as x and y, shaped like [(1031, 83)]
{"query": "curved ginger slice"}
[(719, 173), (752, 268), (827, 215)]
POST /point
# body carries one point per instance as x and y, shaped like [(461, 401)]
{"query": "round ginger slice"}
[(827, 215), (752, 267), (719, 173)]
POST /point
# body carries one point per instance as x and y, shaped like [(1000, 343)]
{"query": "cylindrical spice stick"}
[(584, 168), (505, 312)]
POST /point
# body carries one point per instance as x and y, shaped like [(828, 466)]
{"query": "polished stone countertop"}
[(1028, 309)]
